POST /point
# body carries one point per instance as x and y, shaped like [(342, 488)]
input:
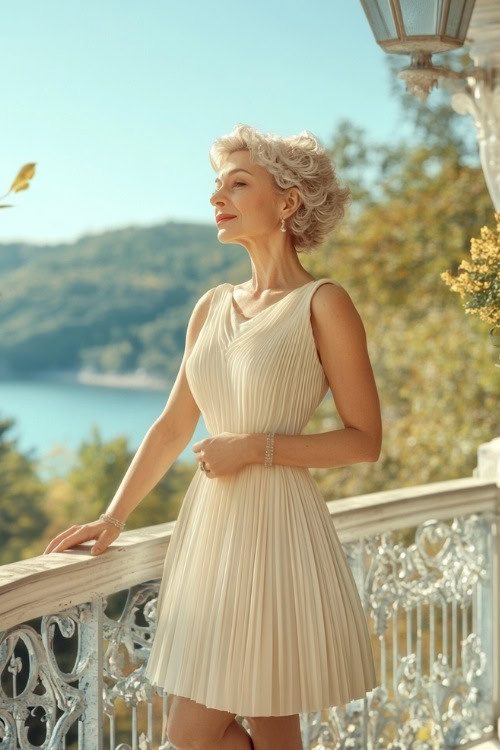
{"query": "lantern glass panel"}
[(380, 18), (423, 17)]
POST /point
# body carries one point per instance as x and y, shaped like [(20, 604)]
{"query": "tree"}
[(22, 495)]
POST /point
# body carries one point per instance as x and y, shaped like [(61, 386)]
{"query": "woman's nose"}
[(214, 198)]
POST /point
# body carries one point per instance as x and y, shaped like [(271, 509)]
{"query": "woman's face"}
[(250, 196)]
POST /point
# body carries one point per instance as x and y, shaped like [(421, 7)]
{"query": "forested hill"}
[(115, 301)]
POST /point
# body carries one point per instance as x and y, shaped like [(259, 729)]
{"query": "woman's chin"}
[(223, 233)]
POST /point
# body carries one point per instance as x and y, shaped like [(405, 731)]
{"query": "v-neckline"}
[(243, 319)]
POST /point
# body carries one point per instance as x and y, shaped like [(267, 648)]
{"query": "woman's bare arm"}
[(341, 342), (164, 441), (168, 435)]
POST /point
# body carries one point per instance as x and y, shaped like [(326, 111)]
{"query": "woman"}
[(258, 614)]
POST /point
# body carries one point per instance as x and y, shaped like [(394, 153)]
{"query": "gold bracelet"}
[(119, 524), (268, 461)]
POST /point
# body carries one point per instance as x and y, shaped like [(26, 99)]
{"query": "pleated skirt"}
[(258, 612)]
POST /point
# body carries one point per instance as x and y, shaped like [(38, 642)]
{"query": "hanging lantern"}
[(419, 28)]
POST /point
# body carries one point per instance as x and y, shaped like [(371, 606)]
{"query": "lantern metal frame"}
[(476, 89), (422, 75)]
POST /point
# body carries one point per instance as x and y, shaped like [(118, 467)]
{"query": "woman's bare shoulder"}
[(329, 292), (200, 311), (332, 304)]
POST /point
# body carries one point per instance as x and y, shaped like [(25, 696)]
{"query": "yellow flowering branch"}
[(479, 281)]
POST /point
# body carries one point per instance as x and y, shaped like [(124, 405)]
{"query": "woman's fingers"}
[(54, 542), (71, 538), (103, 532)]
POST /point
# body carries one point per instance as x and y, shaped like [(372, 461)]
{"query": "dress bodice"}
[(258, 374)]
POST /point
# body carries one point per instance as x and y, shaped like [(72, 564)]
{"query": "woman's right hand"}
[(103, 531)]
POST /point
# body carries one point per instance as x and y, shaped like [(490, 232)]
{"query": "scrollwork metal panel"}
[(428, 596)]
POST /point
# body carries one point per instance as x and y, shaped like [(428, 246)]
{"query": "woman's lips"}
[(227, 218)]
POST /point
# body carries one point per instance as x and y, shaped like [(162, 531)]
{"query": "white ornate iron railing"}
[(76, 631)]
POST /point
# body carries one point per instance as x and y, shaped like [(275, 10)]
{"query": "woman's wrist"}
[(112, 519)]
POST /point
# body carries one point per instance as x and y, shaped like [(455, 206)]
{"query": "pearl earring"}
[(283, 227)]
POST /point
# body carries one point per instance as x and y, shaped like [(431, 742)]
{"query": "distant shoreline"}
[(137, 379)]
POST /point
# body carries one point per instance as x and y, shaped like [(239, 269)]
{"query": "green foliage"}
[(22, 499)]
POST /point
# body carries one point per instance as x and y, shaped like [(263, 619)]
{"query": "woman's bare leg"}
[(193, 726)]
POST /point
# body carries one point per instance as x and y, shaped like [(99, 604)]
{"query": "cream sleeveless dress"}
[(258, 612)]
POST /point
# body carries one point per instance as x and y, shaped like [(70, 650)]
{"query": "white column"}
[(481, 99), (488, 461)]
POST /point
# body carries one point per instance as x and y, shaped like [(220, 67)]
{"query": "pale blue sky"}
[(118, 102)]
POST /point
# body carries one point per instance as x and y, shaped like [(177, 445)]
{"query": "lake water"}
[(52, 419)]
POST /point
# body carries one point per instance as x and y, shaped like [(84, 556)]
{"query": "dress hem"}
[(335, 704)]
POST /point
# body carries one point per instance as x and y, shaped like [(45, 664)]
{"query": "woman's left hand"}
[(225, 453)]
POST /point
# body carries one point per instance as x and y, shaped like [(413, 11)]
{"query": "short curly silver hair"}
[(294, 161)]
